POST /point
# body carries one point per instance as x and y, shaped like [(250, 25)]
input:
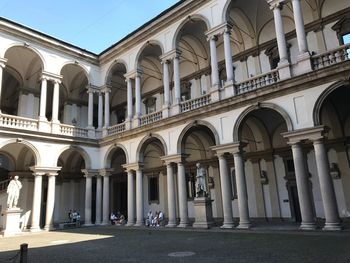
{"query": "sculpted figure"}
[(201, 182), (13, 192)]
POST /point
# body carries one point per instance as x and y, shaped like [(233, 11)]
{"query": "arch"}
[(108, 156), (149, 42), (25, 45), (184, 21), (271, 106), (284, 17), (142, 145), (35, 151), (225, 11), (115, 62), (316, 113), (85, 70), (194, 124), (80, 150), (10, 157)]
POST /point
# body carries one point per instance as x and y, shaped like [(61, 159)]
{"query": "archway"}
[(21, 79), (269, 167), (118, 194), (70, 186), (73, 99)]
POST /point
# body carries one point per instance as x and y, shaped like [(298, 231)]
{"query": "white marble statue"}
[(13, 192), (201, 182)]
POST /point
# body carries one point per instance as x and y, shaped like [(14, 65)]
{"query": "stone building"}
[(256, 91)]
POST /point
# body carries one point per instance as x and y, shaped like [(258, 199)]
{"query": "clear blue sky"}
[(92, 25)]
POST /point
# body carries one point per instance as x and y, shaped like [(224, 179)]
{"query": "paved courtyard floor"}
[(121, 244)]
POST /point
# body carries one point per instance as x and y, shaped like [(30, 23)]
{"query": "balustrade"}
[(18, 122), (70, 130), (116, 129), (258, 81), (195, 103), (331, 57), (152, 117)]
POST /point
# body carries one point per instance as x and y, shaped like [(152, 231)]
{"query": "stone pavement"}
[(123, 244)]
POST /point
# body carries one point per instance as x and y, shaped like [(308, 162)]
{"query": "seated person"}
[(113, 218), (149, 218), (155, 219), (120, 220), (160, 218)]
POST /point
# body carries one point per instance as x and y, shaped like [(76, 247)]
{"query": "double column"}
[(316, 135), (105, 173), (88, 174), (103, 91), (37, 193), (182, 188), (91, 92), (138, 169)]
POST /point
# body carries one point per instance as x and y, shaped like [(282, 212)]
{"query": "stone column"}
[(88, 200), (55, 102), (327, 189), (98, 220), (177, 87), (299, 27), (107, 113), (131, 199), (105, 174), (50, 203), (138, 94), (166, 83), (226, 192), (215, 81), (171, 195), (43, 95), (228, 56), (38, 178), (181, 177), (129, 97), (244, 221), (139, 197), (100, 110), (281, 39), (90, 108), (2, 66), (302, 180)]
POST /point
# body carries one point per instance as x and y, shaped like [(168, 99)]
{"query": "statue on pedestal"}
[(201, 182), (13, 190)]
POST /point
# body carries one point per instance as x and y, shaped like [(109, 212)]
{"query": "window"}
[(150, 105), (342, 27), (153, 189)]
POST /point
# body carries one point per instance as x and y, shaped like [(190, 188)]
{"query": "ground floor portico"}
[(264, 162)]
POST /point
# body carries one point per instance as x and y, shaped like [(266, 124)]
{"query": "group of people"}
[(74, 216), (117, 219), (155, 220)]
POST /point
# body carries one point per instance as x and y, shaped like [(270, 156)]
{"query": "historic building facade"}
[(256, 91)]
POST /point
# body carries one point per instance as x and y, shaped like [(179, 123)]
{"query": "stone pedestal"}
[(11, 222), (203, 212)]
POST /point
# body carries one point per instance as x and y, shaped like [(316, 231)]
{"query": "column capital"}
[(133, 166), (309, 134), (174, 158), (49, 171), (3, 62), (89, 172), (238, 147), (219, 30), (220, 150), (105, 172), (276, 4), (168, 56)]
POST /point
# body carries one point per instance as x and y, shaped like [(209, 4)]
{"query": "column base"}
[(130, 224), (35, 229), (91, 132), (166, 111), (139, 224), (49, 228), (215, 93), (284, 70), (332, 227), (44, 126), (171, 224), (104, 223), (227, 226), (230, 90), (183, 225), (303, 64), (136, 122), (55, 126), (175, 109), (307, 226), (245, 226), (89, 224)]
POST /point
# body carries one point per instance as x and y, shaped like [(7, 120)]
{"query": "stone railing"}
[(257, 82), (195, 103), (18, 122), (70, 130), (152, 117), (331, 57), (3, 185), (115, 129)]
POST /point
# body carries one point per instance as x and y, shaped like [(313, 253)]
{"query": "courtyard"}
[(121, 244)]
